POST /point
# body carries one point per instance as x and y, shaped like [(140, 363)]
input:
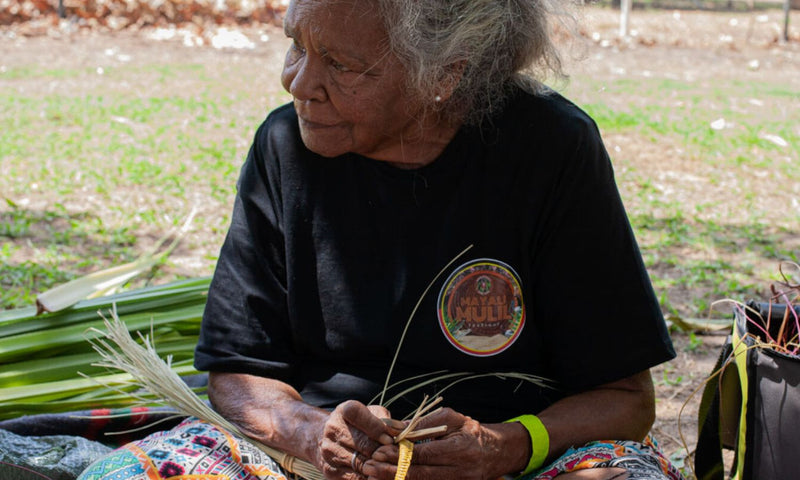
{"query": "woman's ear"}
[(450, 80)]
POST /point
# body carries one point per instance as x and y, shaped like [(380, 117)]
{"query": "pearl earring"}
[(437, 98)]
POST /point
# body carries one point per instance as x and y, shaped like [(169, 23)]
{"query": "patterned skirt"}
[(643, 461), (198, 450), (192, 450)]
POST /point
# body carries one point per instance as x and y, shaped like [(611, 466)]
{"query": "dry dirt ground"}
[(695, 46), (675, 45)]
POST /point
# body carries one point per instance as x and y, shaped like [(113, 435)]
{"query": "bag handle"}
[(708, 453), (710, 438)]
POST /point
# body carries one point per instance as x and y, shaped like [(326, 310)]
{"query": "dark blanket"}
[(111, 427), (60, 446)]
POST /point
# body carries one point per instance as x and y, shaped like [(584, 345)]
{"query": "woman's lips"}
[(315, 125)]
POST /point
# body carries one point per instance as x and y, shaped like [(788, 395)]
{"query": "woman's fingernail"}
[(394, 423), (385, 439), (380, 457)]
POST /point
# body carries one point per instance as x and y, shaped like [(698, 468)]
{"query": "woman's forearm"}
[(269, 411), (622, 410)]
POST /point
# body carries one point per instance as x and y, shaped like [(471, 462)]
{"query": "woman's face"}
[(348, 89)]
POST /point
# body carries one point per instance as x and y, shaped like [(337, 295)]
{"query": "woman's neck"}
[(413, 153)]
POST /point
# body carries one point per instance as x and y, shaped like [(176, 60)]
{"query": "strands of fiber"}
[(788, 292), (410, 431), (779, 327), (412, 384), (120, 351), (411, 316), (786, 339)]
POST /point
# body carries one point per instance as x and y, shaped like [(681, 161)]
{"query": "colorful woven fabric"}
[(192, 450), (643, 461), (195, 449)]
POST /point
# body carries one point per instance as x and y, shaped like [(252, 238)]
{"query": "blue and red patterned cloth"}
[(642, 460), (196, 449)]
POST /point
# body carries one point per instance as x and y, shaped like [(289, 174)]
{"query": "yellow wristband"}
[(540, 441)]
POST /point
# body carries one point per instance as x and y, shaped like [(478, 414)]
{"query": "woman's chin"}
[(325, 144)]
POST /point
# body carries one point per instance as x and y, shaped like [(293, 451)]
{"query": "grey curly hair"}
[(482, 46)]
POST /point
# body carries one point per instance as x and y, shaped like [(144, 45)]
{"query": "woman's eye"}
[(297, 47), (339, 67)]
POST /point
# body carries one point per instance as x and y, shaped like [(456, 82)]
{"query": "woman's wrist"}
[(512, 449), (269, 411), (538, 440)]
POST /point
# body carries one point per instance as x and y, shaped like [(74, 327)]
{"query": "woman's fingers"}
[(445, 416), (357, 462), (396, 426), (357, 443), (366, 427), (458, 454), (352, 433), (448, 451), (379, 411), (374, 470)]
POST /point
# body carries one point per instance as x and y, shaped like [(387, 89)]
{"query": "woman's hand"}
[(352, 433), (468, 450), (275, 414)]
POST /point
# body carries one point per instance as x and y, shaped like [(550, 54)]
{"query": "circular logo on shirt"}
[(480, 307)]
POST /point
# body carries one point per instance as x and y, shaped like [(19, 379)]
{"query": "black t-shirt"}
[(326, 258)]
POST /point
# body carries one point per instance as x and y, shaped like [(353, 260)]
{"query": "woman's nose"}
[(304, 80)]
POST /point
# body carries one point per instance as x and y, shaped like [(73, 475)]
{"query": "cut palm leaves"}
[(44, 370), (107, 281), (61, 339), (120, 351), (44, 392), (161, 298), (40, 356)]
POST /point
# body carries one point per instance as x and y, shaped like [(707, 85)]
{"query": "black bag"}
[(753, 406)]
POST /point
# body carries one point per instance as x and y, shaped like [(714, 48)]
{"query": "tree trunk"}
[(624, 17)]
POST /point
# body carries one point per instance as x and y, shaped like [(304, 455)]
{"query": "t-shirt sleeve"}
[(593, 298), (245, 325)]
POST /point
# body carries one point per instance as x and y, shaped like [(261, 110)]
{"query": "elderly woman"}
[(412, 135)]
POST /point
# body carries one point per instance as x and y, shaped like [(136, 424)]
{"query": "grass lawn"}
[(108, 144)]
